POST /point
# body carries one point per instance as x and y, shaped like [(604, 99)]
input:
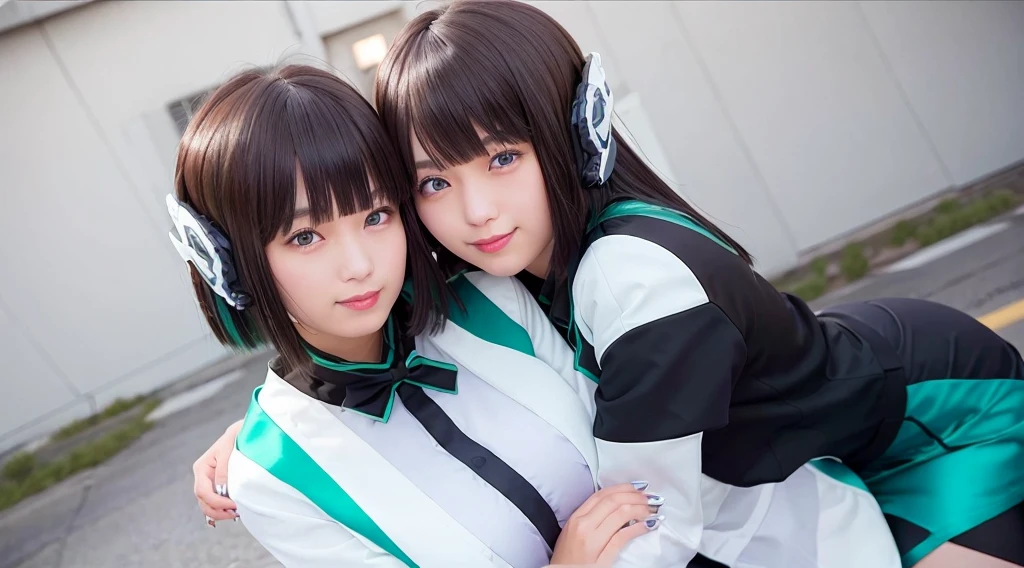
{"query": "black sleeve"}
[(668, 356)]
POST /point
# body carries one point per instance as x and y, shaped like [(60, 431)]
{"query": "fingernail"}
[(655, 500), (640, 485), (211, 523), (654, 521), (222, 490)]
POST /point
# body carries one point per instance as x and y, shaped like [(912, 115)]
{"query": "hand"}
[(211, 474), (598, 530)]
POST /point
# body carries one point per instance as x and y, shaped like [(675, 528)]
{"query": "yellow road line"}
[(1004, 316)]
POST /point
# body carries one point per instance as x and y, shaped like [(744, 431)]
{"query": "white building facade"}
[(792, 124)]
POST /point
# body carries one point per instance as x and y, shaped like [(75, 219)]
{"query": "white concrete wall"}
[(823, 121), (789, 123), (87, 278), (961, 65), (650, 52)]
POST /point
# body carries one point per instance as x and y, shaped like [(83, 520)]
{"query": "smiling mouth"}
[(495, 243), (362, 301)]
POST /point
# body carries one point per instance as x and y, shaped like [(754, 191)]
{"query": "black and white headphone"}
[(200, 243), (591, 119)]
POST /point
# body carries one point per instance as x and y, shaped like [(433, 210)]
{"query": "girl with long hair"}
[(698, 364)]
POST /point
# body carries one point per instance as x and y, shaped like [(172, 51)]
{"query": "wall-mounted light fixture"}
[(369, 52)]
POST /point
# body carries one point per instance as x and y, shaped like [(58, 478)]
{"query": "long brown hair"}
[(238, 163), (511, 70)]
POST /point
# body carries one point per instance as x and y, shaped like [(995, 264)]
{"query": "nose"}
[(355, 261), (480, 206)]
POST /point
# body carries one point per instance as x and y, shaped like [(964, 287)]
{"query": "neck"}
[(542, 264), (365, 349)]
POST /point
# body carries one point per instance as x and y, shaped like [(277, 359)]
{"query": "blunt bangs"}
[(443, 80), (307, 125), (453, 104)]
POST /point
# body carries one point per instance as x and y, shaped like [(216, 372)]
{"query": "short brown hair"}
[(238, 163), (510, 69)]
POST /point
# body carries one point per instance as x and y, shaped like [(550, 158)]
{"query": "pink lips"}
[(495, 243), (362, 301)]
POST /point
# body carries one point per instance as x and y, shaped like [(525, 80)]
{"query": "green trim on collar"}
[(389, 340), (642, 209)]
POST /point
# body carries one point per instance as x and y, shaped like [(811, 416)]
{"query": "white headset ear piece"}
[(208, 250), (591, 119)]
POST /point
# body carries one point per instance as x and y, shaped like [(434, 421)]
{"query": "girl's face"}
[(340, 278), (491, 212)]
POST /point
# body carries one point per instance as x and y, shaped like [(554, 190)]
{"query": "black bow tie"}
[(373, 393)]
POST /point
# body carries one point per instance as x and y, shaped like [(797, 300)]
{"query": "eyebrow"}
[(430, 164)]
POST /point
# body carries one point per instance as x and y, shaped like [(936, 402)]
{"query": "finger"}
[(220, 476), (620, 517), (206, 493), (203, 470), (217, 502), (216, 514), (615, 545), (611, 515), (220, 455), (599, 495), (607, 505)]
